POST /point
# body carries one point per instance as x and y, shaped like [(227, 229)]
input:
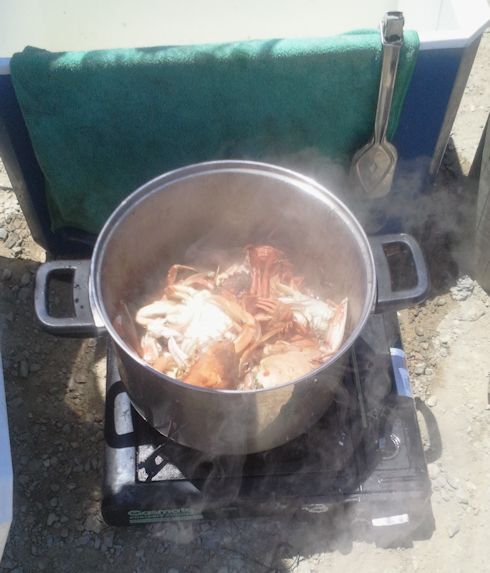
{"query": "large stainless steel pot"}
[(205, 208)]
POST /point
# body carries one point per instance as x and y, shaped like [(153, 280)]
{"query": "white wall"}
[(91, 24)]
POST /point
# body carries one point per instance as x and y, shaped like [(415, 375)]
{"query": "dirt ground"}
[(55, 397)]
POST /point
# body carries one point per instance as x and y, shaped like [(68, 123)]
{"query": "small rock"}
[(463, 289), (92, 523), (35, 367), (6, 274), (461, 497), (445, 495), (3, 234), (64, 532), (432, 401), (433, 470), (23, 369), (25, 279), (445, 340), (17, 570), (453, 482), (419, 331), (109, 538), (420, 368), (54, 487), (452, 529), (52, 517), (443, 352), (440, 301), (97, 542), (53, 502), (440, 482), (429, 372), (24, 294), (11, 240)]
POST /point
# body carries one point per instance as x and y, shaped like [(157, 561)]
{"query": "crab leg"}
[(262, 258), (205, 280), (177, 353), (173, 271), (150, 348), (250, 329), (154, 310)]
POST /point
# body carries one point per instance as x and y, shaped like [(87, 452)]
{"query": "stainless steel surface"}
[(373, 166), (195, 213)]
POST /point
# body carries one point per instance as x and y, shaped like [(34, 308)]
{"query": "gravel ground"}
[(55, 394)]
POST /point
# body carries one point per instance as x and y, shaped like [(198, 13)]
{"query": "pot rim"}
[(159, 183)]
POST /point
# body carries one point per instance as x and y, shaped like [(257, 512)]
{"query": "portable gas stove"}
[(365, 451)]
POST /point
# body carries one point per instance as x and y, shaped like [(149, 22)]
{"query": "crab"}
[(253, 325), (283, 362)]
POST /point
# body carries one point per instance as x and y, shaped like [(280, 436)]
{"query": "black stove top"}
[(366, 450)]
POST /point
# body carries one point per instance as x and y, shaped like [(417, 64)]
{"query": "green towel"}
[(104, 122)]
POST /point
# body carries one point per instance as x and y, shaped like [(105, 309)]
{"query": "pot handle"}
[(83, 323), (389, 299)]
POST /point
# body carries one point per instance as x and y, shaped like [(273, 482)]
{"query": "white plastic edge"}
[(440, 40)]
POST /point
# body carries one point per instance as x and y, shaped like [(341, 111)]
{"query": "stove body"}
[(366, 452)]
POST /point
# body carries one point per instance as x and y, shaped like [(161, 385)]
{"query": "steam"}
[(438, 213), (270, 544)]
